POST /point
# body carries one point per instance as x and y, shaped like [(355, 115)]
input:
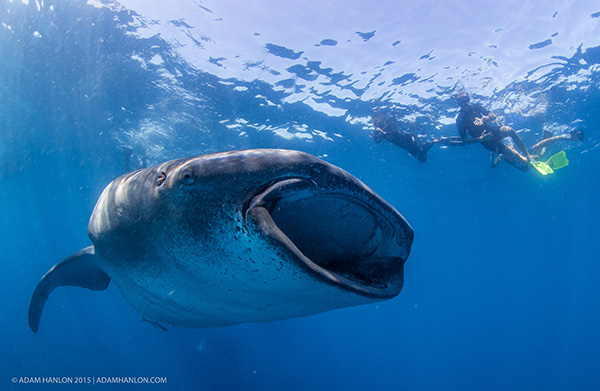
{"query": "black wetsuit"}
[(410, 142), (465, 124), (393, 130)]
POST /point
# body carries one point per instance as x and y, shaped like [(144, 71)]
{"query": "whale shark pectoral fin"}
[(78, 269)]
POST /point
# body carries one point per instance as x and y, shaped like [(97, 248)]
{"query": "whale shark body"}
[(233, 237)]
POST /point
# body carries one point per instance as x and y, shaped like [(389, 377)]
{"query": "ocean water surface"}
[(501, 288)]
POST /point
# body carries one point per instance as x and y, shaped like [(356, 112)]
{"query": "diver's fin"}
[(542, 167), (78, 269), (577, 135), (555, 162), (558, 160)]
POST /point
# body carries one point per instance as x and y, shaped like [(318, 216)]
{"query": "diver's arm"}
[(460, 142), (480, 121), (456, 141)]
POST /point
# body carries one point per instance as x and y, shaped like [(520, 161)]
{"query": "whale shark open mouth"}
[(349, 238)]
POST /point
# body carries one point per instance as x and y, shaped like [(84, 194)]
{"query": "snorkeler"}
[(391, 130), (474, 120), (417, 145)]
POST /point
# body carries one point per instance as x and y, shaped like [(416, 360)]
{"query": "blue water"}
[(501, 288)]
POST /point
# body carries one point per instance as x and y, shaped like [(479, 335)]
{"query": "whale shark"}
[(240, 236)]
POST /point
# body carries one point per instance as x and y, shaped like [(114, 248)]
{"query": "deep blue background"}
[(501, 288)]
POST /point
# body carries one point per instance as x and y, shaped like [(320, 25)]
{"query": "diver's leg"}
[(512, 156), (547, 141), (507, 131), (539, 150)]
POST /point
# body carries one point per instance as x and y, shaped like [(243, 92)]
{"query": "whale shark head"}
[(325, 220), (243, 236)]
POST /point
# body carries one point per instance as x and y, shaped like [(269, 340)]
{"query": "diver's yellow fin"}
[(558, 161), (542, 167), (554, 163)]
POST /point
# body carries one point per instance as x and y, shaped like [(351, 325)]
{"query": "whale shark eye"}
[(161, 178), (187, 176)]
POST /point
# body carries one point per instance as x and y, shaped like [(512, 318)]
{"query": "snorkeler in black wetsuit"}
[(476, 121), (391, 130)]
